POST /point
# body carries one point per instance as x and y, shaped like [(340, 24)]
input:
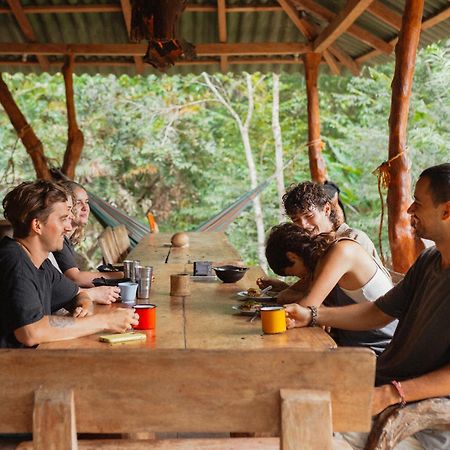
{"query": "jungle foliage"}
[(168, 145)]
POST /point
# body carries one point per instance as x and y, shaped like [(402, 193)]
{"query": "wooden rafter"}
[(340, 23), (355, 31), (26, 28), (438, 18), (309, 31), (126, 10), (223, 37), (114, 8), (385, 14), (216, 49), (197, 62), (426, 24)]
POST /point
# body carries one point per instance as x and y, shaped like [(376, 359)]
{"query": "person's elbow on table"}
[(31, 335)]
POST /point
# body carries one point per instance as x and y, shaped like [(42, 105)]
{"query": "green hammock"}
[(109, 215)]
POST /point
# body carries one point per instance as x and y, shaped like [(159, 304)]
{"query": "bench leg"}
[(54, 426), (305, 420)]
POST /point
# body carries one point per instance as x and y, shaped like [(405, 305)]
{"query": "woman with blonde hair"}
[(66, 258), (337, 271)]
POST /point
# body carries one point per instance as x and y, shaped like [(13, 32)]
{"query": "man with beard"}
[(31, 289), (416, 364)]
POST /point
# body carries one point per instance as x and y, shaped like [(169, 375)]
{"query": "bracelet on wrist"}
[(400, 391), (313, 322)]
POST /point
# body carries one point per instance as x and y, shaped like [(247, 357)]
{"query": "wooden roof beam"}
[(126, 10), (385, 14), (437, 18), (426, 24), (207, 62), (26, 28), (354, 30), (115, 8), (340, 23), (213, 49), (222, 26), (309, 31)]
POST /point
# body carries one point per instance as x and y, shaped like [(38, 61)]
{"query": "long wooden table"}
[(205, 319)]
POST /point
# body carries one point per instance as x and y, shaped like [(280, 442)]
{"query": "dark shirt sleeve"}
[(396, 301), (22, 295), (63, 289), (66, 257)]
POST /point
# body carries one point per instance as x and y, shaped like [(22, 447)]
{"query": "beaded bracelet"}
[(313, 310), (400, 391)]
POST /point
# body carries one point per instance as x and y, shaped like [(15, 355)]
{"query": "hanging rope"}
[(384, 177)]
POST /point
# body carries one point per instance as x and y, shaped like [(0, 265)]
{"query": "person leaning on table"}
[(31, 288), (311, 207), (418, 356)]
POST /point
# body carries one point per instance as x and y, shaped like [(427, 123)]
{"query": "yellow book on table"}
[(122, 337)]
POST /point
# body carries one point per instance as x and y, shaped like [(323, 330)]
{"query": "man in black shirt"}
[(31, 289), (419, 353)]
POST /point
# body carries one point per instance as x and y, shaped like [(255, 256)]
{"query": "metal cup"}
[(127, 268), (144, 281), (134, 275)]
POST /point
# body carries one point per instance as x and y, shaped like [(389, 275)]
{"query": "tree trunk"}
[(276, 128), (243, 129), (75, 138), (316, 161), (401, 238), (26, 134)]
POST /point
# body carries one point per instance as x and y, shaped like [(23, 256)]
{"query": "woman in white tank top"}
[(329, 264)]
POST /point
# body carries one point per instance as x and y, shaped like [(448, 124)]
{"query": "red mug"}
[(147, 316)]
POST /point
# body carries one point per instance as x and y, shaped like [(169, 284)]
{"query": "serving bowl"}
[(230, 273)]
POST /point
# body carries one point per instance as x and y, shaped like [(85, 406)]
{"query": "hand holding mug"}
[(297, 316)]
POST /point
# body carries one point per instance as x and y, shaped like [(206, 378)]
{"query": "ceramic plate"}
[(269, 297), (244, 312)]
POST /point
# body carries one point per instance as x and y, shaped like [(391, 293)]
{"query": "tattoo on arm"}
[(60, 322)]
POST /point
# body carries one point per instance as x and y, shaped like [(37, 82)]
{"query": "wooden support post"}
[(316, 161), (75, 138), (306, 419), (54, 426), (26, 134), (401, 238)]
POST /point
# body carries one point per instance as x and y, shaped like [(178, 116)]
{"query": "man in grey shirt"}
[(419, 354)]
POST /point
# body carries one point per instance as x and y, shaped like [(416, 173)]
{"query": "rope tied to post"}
[(383, 175), (314, 142)]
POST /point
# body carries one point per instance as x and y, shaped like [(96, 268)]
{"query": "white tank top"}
[(378, 285)]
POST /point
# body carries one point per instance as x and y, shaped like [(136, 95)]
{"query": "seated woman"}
[(66, 257), (338, 272)]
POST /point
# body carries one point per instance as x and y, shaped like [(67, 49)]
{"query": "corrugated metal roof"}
[(108, 27)]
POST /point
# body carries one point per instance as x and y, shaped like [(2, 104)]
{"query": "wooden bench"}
[(122, 241), (108, 246), (299, 395)]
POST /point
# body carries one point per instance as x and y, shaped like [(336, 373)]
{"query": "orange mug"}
[(273, 319), (147, 316)]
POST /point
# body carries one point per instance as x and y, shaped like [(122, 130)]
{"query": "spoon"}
[(265, 290)]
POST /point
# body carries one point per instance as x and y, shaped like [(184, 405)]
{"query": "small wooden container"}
[(180, 285)]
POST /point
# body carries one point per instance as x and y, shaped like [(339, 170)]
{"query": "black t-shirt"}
[(421, 302), (26, 293), (66, 257)]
